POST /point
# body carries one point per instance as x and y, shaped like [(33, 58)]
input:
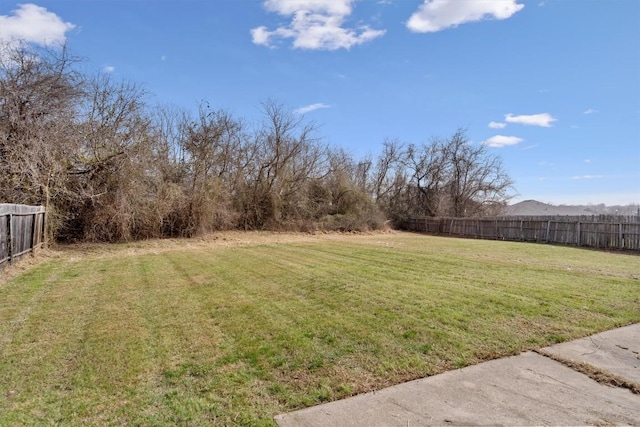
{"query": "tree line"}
[(109, 166)]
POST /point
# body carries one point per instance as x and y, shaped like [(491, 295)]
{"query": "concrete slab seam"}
[(599, 375)]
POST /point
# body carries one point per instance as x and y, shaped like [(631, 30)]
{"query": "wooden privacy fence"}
[(621, 233), (22, 230)]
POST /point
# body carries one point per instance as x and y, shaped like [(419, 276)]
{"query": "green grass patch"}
[(186, 334)]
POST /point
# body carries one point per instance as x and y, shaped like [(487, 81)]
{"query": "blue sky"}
[(551, 86)]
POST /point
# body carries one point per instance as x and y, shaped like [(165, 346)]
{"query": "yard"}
[(238, 327)]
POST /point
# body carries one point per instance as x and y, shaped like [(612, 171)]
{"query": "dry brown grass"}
[(600, 375), (28, 262)]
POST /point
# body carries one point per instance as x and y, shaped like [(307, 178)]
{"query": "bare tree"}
[(348, 205), (476, 180), (113, 169), (426, 166), (39, 92), (211, 145), (285, 155), (390, 187), (446, 177)]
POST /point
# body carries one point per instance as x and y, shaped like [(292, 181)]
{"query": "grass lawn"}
[(236, 328)]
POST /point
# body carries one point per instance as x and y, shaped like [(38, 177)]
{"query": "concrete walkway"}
[(528, 389)]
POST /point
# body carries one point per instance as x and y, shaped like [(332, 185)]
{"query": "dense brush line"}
[(110, 167)]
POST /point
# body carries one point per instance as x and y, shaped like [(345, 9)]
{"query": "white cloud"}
[(315, 25), (499, 141), (33, 24), (436, 15), (544, 120), (312, 107), (590, 111), (588, 177), (260, 35), (108, 69), (587, 160), (497, 125)]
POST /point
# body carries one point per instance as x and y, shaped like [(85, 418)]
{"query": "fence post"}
[(44, 229), (522, 229), (548, 230), (620, 243), (34, 235), (43, 237), (10, 238), (579, 232)]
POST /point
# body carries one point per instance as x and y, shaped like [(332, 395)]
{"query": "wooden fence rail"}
[(622, 233), (22, 230)]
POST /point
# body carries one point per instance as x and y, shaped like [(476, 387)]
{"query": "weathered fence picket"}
[(22, 230), (602, 232)]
